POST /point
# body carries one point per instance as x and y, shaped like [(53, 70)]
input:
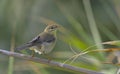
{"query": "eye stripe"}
[(52, 27)]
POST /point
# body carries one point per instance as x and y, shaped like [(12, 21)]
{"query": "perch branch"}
[(48, 62)]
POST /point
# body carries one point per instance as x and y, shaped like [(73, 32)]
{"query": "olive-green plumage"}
[(44, 42)]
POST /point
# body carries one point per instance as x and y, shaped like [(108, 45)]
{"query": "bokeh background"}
[(86, 23)]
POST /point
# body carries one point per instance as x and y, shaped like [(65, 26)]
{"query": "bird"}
[(44, 42)]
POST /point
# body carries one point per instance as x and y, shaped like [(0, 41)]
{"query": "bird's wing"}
[(43, 38), (48, 38), (25, 46), (31, 43), (35, 40)]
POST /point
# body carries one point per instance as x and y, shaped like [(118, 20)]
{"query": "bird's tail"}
[(25, 46)]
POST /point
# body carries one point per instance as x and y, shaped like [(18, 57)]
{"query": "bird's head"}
[(51, 28)]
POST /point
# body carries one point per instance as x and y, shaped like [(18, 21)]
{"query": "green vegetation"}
[(86, 23)]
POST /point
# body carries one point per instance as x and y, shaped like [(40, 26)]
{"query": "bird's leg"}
[(47, 57), (33, 54)]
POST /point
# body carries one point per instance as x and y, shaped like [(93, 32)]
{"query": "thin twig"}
[(72, 49), (48, 62)]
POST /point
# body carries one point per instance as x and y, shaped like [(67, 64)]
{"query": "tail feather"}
[(25, 46)]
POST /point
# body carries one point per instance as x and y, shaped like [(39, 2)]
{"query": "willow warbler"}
[(44, 42)]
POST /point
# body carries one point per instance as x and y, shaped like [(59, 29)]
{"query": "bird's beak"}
[(59, 26)]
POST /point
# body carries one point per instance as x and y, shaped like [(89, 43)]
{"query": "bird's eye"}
[(52, 27)]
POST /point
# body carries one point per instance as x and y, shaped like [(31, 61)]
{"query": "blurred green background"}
[(87, 22)]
